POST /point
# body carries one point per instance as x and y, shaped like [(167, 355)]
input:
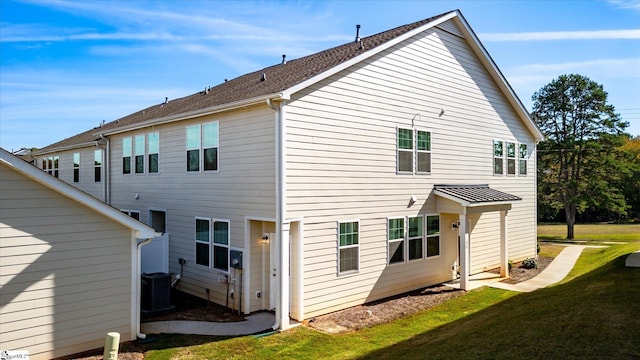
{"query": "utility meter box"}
[(236, 259)]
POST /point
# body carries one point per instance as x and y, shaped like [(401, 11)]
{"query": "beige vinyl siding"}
[(61, 264), (341, 164), (243, 186), (86, 183)]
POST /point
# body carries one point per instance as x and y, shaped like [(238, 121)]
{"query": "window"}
[(433, 235), (395, 236), (523, 159), (511, 158), (498, 154), (126, 155), (348, 246), (405, 150), (44, 164), (134, 214), (76, 167), (50, 165), (97, 161), (202, 242), (221, 245), (423, 151), (415, 237), (139, 153), (220, 240), (153, 148), (210, 146), (202, 139), (56, 162)]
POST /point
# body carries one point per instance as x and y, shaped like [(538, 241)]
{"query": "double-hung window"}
[(76, 167), (97, 165), (153, 148), (522, 155), (414, 235), (348, 246), (139, 153), (498, 157), (405, 150), (423, 151), (212, 247), (202, 147), (395, 236), (56, 164), (126, 155), (511, 158), (433, 235)]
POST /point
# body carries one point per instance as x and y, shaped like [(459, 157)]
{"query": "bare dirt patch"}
[(189, 307), (389, 309)]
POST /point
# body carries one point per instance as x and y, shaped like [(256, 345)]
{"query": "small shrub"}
[(510, 264), (538, 249), (529, 263)]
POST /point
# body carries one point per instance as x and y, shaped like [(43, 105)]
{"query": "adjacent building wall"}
[(65, 272)]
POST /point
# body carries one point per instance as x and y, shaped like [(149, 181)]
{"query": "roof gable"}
[(282, 80), (6, 158)]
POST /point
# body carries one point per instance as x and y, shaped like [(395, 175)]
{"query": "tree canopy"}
[(579, 164)]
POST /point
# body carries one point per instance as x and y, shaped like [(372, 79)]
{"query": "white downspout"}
[(282, 233), (139, 335)]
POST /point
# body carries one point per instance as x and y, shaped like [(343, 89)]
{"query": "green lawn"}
[(591, 232), (591, 314)]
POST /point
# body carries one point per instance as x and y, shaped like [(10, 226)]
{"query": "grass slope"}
[(592, 314)]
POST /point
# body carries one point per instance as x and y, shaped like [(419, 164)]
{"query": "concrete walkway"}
[(633, 260), (556, 271), (253, 324)]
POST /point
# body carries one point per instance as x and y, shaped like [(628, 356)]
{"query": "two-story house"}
[(400, 160)]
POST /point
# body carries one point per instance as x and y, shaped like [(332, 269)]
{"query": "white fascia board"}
[(497, 76), (192, 114), (366, 54), (142, 231)]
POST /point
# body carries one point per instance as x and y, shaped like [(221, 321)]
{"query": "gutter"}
[(66, 147)]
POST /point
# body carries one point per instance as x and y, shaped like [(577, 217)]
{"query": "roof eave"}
[(195, 113), (66, 147)]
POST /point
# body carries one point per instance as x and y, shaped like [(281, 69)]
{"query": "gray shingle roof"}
[(278, 78), (475, 194)]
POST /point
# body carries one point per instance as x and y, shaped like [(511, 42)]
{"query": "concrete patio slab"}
[(253, 324)]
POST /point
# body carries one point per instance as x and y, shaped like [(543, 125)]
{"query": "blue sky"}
[(65, 66)]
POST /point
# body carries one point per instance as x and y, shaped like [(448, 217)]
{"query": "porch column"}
[(464, 252), (283, 306), (504, 251)]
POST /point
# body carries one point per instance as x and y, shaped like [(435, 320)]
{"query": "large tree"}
[(577, 163)]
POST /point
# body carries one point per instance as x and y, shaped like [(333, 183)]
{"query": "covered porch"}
[(465, 201)]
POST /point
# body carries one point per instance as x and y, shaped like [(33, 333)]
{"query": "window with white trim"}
[(76, 167), (126, 155), (212, 243), (414, 237), (405, 150), (522, 156), (395, 240), (202, 147), (97, 165), (498, 157), (138, 151), (433, 235), (511, 158), (423, 151), (133, 213), (348, 246), (153, 149)]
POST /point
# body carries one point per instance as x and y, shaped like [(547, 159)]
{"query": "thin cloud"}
[(629, 67), (562, 35), (627, 4)]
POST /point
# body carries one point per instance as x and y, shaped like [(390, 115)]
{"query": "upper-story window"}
[(498, 157), (138, 143), (202, 147), (413, 150), (97, 167), (76, 167), (511, 158), (126, 155), (523, 159), (153, 148)]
